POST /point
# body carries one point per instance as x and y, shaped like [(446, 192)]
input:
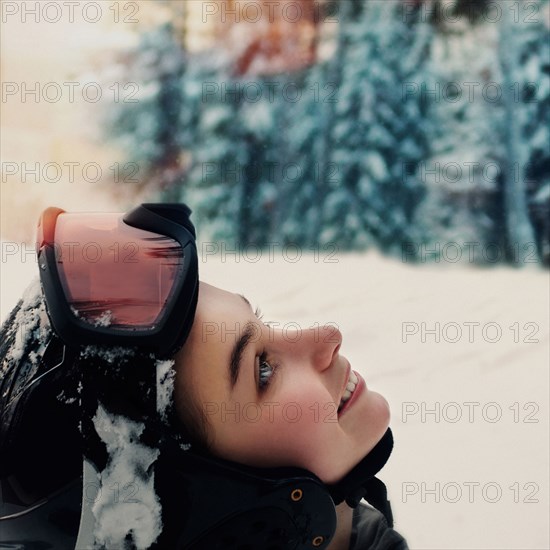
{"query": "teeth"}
[(350, 388)]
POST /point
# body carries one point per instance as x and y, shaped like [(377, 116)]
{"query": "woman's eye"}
[(265, 372)]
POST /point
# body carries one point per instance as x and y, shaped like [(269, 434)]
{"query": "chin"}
[(379, 418), (383, 407), (378, 415)]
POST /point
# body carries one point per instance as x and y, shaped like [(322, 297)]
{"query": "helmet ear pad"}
[(213, 503), (259, 528)]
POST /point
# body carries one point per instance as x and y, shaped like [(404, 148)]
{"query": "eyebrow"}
[(239, 349)]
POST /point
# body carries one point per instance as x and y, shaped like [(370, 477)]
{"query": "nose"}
[(318, 345)]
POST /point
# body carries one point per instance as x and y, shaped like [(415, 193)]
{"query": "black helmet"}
[(88, 434), (40, 450)]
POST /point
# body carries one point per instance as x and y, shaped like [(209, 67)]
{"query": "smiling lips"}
[(353, 387)]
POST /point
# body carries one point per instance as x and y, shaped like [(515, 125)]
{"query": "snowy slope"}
[(462, 477)]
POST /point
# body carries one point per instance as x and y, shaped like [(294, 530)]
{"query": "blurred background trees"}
[(399, 124)]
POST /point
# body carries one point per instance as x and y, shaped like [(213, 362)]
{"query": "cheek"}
[(301, 425), (300, 429), (290, 433)]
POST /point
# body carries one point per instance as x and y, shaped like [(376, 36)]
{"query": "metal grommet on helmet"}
[(296, 495), (317, 541)]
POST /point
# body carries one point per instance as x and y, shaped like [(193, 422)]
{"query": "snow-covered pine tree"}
[(254, 173), (532, 92), (370, 152), (514, 36), (230, 182), (487, 125), (145, 122), (215, 142), (463, 206), (379, 135)]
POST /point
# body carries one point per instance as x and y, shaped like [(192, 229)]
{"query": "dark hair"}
[(190, 415)]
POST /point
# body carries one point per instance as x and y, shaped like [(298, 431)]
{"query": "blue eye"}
[(265, 372)]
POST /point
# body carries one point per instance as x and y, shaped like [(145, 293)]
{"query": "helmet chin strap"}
[(361, 483)]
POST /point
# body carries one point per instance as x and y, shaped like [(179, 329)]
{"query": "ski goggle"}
[(120, 279)]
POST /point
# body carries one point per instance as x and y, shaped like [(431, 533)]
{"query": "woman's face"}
[(271, 397)]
